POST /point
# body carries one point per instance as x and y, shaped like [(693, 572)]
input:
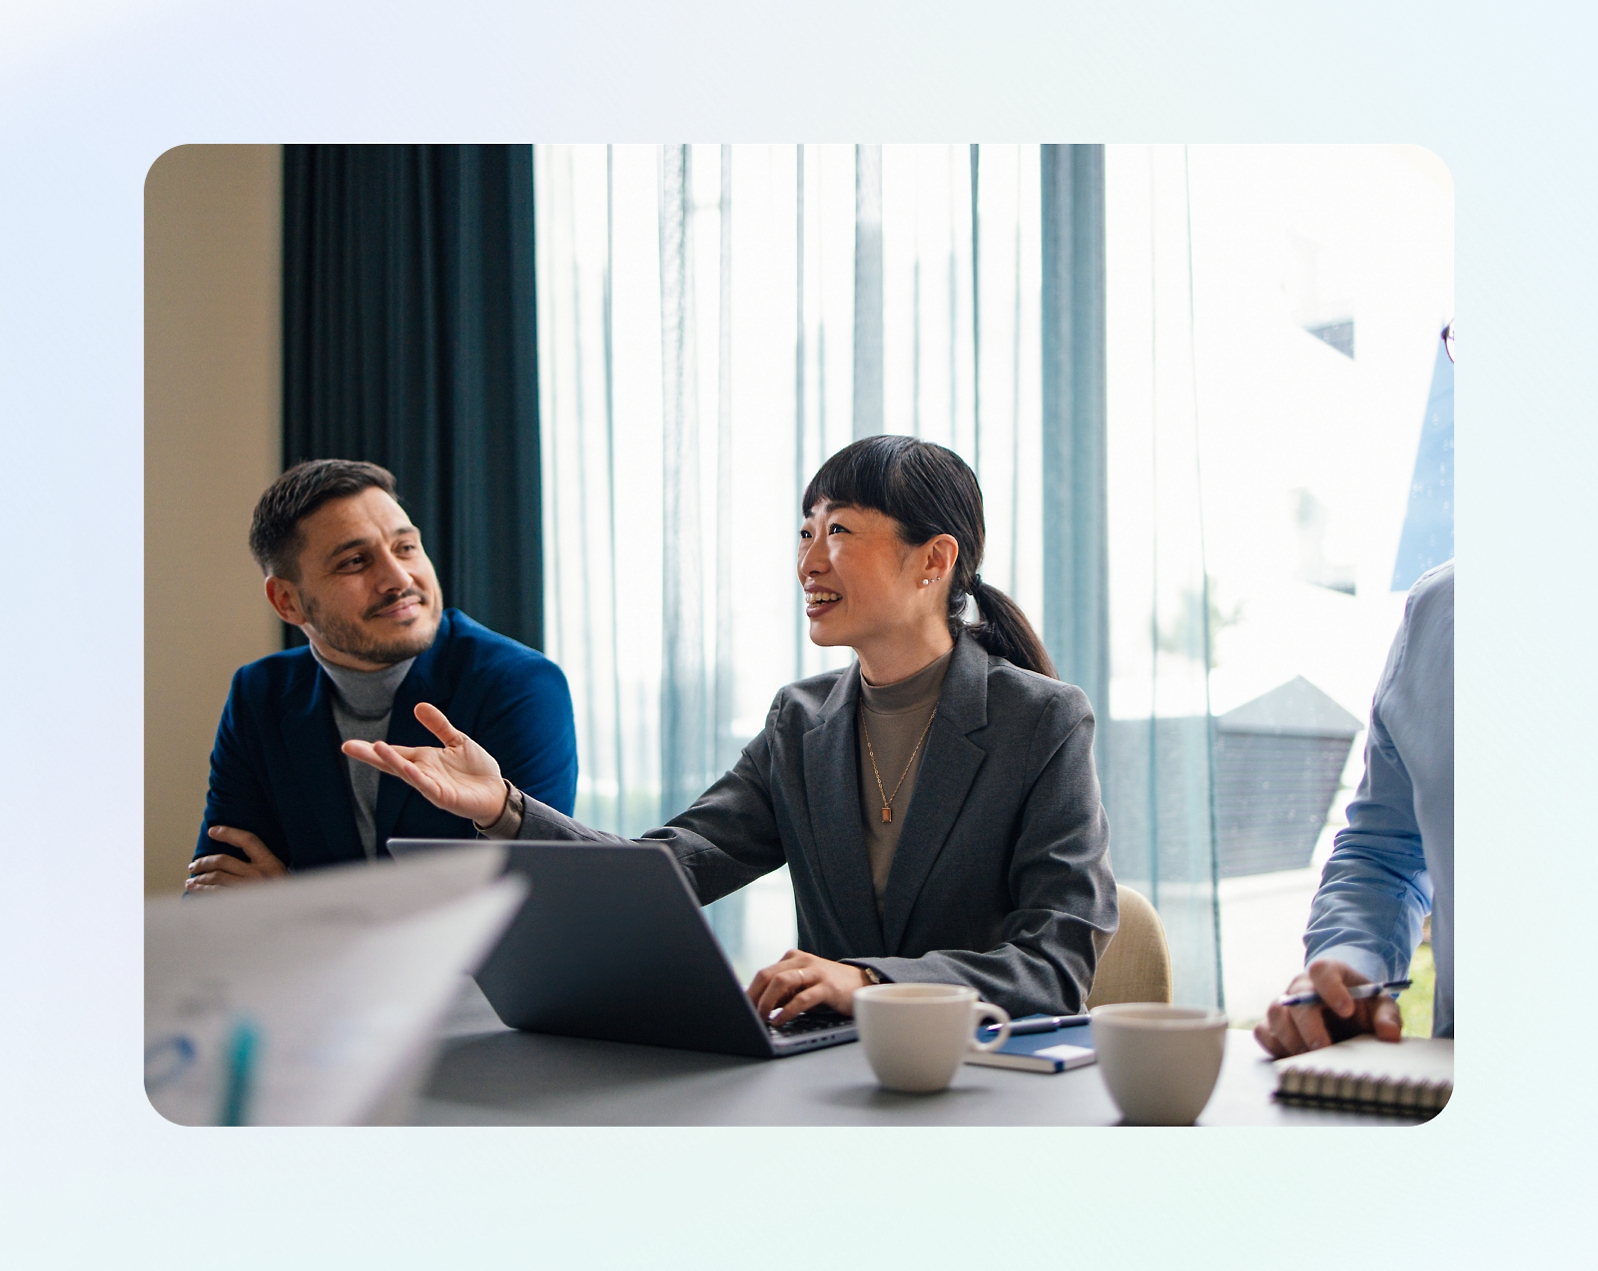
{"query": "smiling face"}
[(863, 588), (366, 595)]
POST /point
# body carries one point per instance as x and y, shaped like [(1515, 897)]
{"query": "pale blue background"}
[(91, 93)]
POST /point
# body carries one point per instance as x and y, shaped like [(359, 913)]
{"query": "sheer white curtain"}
[(701, 353), (1158, 740)]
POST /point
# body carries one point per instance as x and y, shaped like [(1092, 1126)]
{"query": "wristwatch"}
[(871, 974)]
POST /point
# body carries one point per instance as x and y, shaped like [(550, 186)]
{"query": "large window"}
[(1322, 279), (714, 321)]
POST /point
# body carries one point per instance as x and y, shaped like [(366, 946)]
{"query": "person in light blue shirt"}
[(1394, 862)]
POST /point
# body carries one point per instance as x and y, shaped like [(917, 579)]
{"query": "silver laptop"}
[(611, 943)]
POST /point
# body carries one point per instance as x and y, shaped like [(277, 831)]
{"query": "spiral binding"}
[(1362, 1093)]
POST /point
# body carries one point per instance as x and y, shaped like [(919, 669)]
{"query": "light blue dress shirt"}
[(1394, 862)]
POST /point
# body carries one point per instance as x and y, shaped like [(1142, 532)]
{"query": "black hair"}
[(275, 539), (929, 490)]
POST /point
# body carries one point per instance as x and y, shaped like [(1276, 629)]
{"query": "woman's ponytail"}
[(1005, 631)]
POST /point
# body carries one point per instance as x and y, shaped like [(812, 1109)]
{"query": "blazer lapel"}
[(832, 790), (423, 683), (948, 768), (311, 738)]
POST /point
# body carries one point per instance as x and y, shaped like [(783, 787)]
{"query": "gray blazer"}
[(1000, 879)]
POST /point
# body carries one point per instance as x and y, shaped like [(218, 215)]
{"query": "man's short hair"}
[(275, 538)]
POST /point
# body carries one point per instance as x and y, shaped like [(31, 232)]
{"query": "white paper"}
[(1071, 1056), (341, 977)]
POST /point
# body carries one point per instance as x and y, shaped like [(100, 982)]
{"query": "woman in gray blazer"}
[(960, 734)]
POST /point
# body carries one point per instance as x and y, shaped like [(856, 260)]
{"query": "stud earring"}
[(925, 581)]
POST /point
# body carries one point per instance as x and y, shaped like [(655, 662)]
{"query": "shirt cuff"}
[(510, 820), (1371, 965)]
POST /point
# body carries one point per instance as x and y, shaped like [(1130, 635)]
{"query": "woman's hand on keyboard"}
[(802, 980)]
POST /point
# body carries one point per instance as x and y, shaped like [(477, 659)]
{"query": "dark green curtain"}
[(409, 340)]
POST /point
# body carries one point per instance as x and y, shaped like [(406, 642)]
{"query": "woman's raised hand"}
[(462, 778)]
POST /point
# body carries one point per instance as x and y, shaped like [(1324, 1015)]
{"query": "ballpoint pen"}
[(1358, 992), (1043, 1024)]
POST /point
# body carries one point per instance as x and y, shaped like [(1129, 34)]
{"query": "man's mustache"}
[(391, 601)]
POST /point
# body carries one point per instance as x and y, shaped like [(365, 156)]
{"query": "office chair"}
[(1136, 966)]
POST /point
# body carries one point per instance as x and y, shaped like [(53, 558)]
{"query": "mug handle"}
[(1001, 1017)]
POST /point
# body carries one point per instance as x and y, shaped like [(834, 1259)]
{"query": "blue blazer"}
[(276, 769)]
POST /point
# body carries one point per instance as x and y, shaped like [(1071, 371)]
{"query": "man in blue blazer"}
[(345, 565)]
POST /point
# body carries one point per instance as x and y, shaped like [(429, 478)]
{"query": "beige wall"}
[(212, 348)]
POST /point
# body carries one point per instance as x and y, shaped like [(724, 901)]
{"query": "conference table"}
[(487, 1074)]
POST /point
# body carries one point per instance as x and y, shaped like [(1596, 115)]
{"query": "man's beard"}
[(353, 641)]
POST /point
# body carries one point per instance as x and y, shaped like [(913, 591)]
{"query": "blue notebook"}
[(1058, 1051)]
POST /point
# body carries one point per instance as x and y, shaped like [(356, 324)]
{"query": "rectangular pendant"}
[(887, 814)]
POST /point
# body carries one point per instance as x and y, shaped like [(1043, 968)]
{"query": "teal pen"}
[(241, 1054)]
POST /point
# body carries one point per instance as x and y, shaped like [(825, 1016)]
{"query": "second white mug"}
[(1160, 1062), (916, 1036)]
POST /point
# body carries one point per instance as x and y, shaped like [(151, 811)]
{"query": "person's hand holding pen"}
[(1298, 1021)]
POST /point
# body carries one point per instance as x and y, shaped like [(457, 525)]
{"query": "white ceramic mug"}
[(1160, 1062), (916, 1036)]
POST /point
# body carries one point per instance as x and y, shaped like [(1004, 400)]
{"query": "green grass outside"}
[(1415, 1002)]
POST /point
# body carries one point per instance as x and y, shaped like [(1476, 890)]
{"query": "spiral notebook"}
[(1413, 1077)]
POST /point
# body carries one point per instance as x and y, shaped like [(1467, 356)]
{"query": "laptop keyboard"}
[(812, 1021)]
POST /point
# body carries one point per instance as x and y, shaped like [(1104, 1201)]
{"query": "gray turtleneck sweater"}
[(363, 701), (894, 715)]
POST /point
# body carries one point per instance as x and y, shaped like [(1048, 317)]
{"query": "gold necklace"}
[(887, 799)]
